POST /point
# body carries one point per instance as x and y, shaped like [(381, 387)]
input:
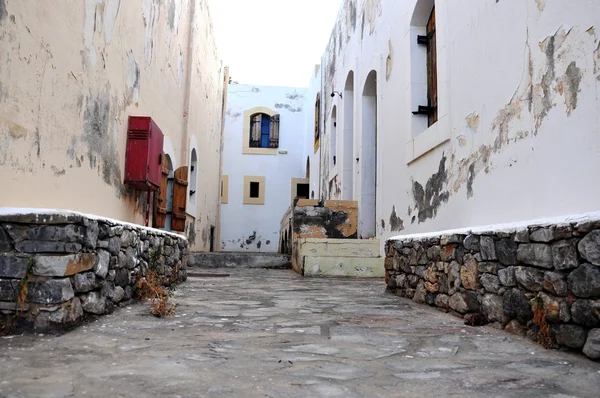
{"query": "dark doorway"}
[(303, 191), (212, 238)]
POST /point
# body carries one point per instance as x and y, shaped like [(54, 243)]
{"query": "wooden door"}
[(179, 199), (160, 196)]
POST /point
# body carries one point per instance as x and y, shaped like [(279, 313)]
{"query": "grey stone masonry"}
[(502, 276), (75, 265)]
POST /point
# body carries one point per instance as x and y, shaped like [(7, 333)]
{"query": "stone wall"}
[(75, 265), (505, 274)]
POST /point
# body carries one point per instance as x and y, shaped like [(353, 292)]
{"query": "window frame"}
[(261, 190), (246, 148)]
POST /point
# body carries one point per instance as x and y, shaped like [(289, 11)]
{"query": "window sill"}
[(434, 136), (260, 151)]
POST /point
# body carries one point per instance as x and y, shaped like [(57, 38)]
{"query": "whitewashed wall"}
[(240, 222), (518, 135)]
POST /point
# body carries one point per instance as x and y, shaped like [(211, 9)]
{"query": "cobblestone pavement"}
[(271, 333)]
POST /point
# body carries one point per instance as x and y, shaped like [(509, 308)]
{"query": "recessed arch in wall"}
[(348, 139), (368, 159)]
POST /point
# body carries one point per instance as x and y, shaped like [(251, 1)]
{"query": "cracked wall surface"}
[(518, 115), (67, 89)]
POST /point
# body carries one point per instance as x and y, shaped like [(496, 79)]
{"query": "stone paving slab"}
[(272, 333)]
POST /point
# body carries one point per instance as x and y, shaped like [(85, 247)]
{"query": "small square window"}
[(303, 191), (254, 190)]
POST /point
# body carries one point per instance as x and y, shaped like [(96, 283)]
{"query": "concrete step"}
[(238, 260), (344, 266), (367, 248)]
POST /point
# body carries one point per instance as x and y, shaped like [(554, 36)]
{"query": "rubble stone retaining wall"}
[(505, 274), (73, 264)]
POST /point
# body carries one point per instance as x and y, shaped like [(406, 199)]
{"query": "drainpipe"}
[(187, 87)]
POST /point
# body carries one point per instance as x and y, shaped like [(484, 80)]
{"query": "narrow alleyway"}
[(260, 333)]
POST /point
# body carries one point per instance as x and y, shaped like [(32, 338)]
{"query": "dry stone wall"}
[(502, 276), (75, 265)]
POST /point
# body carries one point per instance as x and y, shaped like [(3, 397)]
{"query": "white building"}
[(263, 164), (509, 123)]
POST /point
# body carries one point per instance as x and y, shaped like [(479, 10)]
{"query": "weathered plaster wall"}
[(518, 133), (312, 158), (72, 73), (248, 227)]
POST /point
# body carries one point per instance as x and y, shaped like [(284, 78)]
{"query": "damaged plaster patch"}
[(3, 12), (389, 62), (132, 79), (571, 81), (16, 131), (295, 96), (351, 16), (111, 11), (150, 13), (430, 198), (396, 223), (99, 142), (473, 121), (58, 172), (541, 4), (372, 10), (470, 179), (288, 107), (89, 29)]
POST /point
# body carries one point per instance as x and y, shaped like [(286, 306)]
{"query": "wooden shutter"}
[(179, 199), (274, 132), (432, 92), (255, 130), (160, 196)]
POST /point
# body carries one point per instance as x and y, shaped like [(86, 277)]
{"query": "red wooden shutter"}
[(160, 196), (179, 199)]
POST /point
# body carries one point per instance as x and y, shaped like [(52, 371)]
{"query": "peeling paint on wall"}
[(132, 79), (396, 223), (571, 81), (111, 11), (150, 13), (371, 11), (429, 199), (288, 107), (541, 4), (473, 121), (389, 63), (3, 12)]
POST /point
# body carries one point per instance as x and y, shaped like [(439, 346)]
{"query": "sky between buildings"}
[(272, 42)]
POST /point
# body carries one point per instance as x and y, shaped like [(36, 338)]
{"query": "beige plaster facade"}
[(72, 72)]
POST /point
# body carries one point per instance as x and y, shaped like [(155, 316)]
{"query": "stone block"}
[(545, 234), (489, 267), (38, 246), (401, 281), (537, 254), (122, 277), (514, 327), (589, 247), (103, 264), (68, 313), (522, 236), (454, 278), (572, 336), (516, 306), (471, 243), (130, 258), (506, 250), (530, 278), (585, 281), (488, 248), (556, 283), (433, 253), (114, 245), (13, 266), (490, 282), (564, 255), (441, 301), (94, 303), (491, 307), (592, 345), (389, 263), (413, 281), (9, 289), (420, 294), (586, 313), (507, 277), (5, 241), (449, 239), (432, 287), (556, 309), (431, 274), (70, 233), (83, 283), (53, 291), (64, 265), (469, 273), (463, 303), (127, 238), (90, 239), (448, 253)]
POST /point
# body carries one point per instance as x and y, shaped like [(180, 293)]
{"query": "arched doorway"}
[(348, 140), (368, 159), (193, 176), (333, 149), (308, 167)]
